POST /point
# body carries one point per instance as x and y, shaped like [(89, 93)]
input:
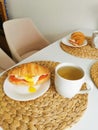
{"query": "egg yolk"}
[(32, 89), (31, 84), (29, 79)]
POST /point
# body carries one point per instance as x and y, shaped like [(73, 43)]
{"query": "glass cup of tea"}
[(69, 79)]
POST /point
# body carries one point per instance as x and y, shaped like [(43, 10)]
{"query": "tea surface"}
[(70, 73)]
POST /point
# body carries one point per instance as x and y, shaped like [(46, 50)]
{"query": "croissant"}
[(77, 38), (29, 73)]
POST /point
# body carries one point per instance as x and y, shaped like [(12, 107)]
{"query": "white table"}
[(54, 53)]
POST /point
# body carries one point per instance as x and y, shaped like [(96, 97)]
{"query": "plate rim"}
[(24, 97)]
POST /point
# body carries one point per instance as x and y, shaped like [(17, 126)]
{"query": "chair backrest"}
[(5, 61), (1, 70), (22, 36)]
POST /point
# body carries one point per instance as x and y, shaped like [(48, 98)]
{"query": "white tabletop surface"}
[(54, 53)]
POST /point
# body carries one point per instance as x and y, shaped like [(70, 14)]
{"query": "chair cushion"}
[(28, 54)]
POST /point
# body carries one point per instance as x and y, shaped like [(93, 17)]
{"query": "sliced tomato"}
[(13, 78), (42, 77)]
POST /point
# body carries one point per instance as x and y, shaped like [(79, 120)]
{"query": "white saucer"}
[(65, 40), (10, 92)]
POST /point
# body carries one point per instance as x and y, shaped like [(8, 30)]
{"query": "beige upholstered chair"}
[(23, 38), (5, 61)]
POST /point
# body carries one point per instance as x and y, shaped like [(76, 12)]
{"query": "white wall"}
[(55, 18)]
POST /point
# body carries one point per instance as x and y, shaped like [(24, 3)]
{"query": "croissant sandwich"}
[(30, 74), (77, 38)]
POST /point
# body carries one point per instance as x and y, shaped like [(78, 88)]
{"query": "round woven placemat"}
[(48, 112), (83, 52), (94, 73)]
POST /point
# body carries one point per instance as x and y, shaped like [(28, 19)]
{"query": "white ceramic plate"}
[(10, 92), (65, 40)]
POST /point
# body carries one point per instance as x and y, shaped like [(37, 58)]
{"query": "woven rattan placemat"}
[(48, 112), (83, 52), (94, 73)]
